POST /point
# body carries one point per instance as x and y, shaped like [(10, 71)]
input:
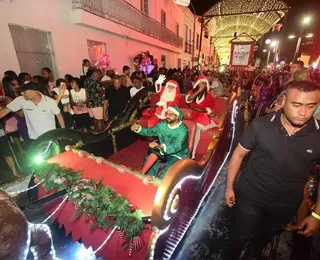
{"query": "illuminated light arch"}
[(253, 17)]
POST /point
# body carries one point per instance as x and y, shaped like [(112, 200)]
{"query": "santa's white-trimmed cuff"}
[(209, 111), (187, 96), (158, 87), (139, 130)]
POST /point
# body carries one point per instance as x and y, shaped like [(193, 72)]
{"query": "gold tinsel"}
[(120, 168), (223, 26)]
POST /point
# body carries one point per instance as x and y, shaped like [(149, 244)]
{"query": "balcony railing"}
[(121, 12)]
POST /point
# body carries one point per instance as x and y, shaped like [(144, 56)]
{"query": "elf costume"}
[(173, 139)]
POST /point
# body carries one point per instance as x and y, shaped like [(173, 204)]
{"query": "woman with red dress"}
[(202, 105)]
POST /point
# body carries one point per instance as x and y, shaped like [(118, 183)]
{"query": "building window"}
[(34, 49), (145, 6), (179, 63), (177, 29), (163, 18), (186, 44), (95, 51), (163, 61), (197, 43)]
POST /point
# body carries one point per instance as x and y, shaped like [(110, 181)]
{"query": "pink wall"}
[(71, 29)]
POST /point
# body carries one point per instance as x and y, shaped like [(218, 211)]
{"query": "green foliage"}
[(99, 204)]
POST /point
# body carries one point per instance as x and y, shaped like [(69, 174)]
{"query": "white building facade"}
[(60, 34)]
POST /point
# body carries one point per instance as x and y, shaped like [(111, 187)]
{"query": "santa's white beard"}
[(168, 96)]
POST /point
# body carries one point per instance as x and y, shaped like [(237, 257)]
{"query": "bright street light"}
[(309, 35), (268, 41), (274, 44), (291, 36), (306, 20), (264, 50)]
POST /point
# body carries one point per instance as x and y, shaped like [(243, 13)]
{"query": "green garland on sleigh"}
[(98, 203)]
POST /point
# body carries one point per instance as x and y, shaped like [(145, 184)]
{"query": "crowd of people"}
[(34, 105), (281, 139), (279, 186)]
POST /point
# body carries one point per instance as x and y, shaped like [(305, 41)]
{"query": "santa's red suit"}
[(204, 102), (169, 96)]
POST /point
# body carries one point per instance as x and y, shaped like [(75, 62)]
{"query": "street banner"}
[(241, 53)]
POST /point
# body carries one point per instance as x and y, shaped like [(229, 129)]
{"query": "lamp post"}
[(268, 42), (274, 45), (292, 36), (306, 20)]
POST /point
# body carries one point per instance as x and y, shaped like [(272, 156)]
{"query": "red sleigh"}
[(114, 159)]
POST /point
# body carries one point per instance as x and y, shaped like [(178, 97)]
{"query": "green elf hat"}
[(176, 110)]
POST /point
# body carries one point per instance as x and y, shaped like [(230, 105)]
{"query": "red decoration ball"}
[(133, 209), (100, 160), (94, 218), (82, 153), (68, 148)]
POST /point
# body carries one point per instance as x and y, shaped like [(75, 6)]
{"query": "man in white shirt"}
[(39, 110), (137, 86)]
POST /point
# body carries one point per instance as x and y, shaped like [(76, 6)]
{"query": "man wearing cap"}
[(202, 106), (173, 138), (39, 110)]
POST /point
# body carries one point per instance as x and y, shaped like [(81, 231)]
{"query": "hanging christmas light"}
[(253, 17)]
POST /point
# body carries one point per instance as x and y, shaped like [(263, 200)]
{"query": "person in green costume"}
[(173, 137)]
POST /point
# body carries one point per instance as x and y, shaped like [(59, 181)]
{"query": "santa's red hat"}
[(200, 79), (172, 83)]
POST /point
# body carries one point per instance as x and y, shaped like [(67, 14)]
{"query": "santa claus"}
[(169, 96), (202, 106)]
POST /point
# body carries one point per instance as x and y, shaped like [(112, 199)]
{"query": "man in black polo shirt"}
[(116, 99), (270, 189)]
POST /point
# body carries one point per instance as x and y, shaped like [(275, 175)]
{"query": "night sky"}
[(299, 9)]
